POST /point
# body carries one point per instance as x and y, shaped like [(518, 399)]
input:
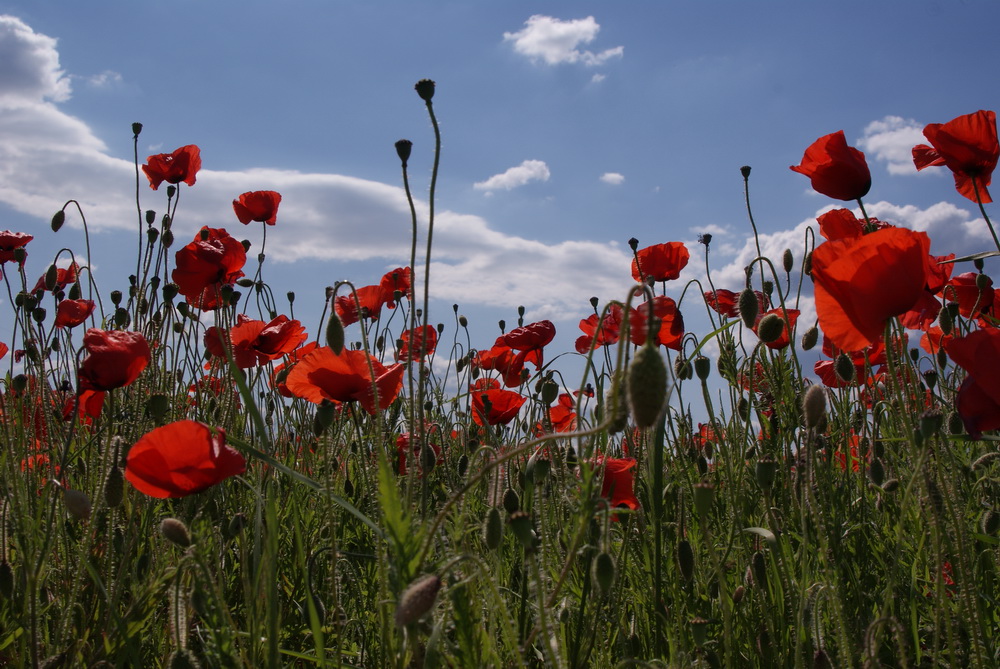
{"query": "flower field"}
[(192, 477)]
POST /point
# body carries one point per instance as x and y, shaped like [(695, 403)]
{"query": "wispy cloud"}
[(526, 172), (613, 178), (891, 140), (31, 71), (552, 41)]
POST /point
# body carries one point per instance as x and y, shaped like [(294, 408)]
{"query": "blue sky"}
[(568, 128)]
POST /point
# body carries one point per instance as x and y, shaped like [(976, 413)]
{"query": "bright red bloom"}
[(979, 410), (661, 262), (180, 459), (256, 342), (257, 205), (835, 169), (424, 344), (91, 403), (841, 458), (561, 415), (529, 340), (934, 339), (724, 302), (979, 396), (786, 333), (280, 374), (370, 300), (214, 259), (842, 224), (618, 485), (601, 332), (3, 349), (493, 405), (115, 359), (968, 146), (862, 282), (671, 330), (64, 277), (71, 313), (403, 444), (972, 301), (181, 165), (501, 358), (10, 241), (397, 280), (324, 375)]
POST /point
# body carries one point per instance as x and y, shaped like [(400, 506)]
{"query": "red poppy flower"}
[(492, 405), (501, 358), (3, 349), (934, 339), (91, 403), (964, 289), (181, 165), (787, 332), (214, 259), (968, 146), (403, 444), (256, 342), (369, 299), (10, 241), (280, 374), (180, 459), (843, 224), (397, 280), (64, 277), (529, 340), (661, 262), (601, 332), (618, 485), (426, 343), (979, 410), (862, 282), (257, 205), (979, 396), (723, 302), (323, 374), (835, 169), (561, 416), (71, 313), (115, 359), (671, 330)]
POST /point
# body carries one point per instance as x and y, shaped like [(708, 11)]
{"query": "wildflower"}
[(968, 146), (322, 374), (979, 395), (114, 359), (258, 205), (213, 260), (255, 342), (492, 405), (181, 165), (617, 485), (368, 305), (661, 262), (835, 169), (395, 281), (424, 343), (671, 330), (63, 277), (10, 242), (71, 313), (598, 331), (180, 459)]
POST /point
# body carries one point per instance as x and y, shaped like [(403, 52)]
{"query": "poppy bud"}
[(809, 338), (685, 559), (136, 129), (768, 287), (931, 422), (758, 567), (38, 314), (738, 594), (647, 386), (425, 89), (19, 383), (463, 322), (682, 368), (520, 524), (704, 498), (765, 471), (770, 328), (503, 325), (417, 599), (58, 219), (175, 531), (814, 405), (844, 367), (702, 367), (748, 306), (511, 502), (77, 503), (20, 255), (807, 264), (615, 401), (633, 243), (403, 148), (493, 529), (603, 572), (116, 297), (325, 413), (745, 171), (876, 472), (537, 469), (114, 487), (990, 522), (245, 243), (550, 391)]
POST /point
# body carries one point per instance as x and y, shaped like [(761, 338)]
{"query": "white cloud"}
[(598, 78), (891, 140), (31, 71), (529, 170), (105, 79), (613, 178), (553, 41)]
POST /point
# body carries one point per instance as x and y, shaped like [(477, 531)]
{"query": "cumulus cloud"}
[(552, 41), (613, 178), (31, 71), (526, 172), (891, 140)]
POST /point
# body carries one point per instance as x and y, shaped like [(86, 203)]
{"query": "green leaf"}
[(764, 533)]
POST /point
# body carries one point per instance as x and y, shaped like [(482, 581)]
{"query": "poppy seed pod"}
[(6, 579), (748, 306), (136, 129), (647, 386), (425, 89), (114, 487), (403, 148), (770, 328), (745, 171), (704, 498), (417, 599), (814, 406)]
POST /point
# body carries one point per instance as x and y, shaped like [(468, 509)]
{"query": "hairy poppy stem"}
[(982, 209), (753, 225), (417, 432), (427, 271)]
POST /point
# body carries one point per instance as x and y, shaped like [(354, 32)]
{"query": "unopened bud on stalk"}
[(814, 406), (844, 367), (77, 503), (511, 502), (770, 328), (175, 531), (685, 559), (493, 529), (765, 471), (682, 368), (787, 260), (633, 243), (521, 525), (114, 487), (335, 333), (58, 219), (809, 338), (702, 367), (945, 321), (748, 307), (603, 572), (418, 598), (116, 297), (647, 386), (704, 498)]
